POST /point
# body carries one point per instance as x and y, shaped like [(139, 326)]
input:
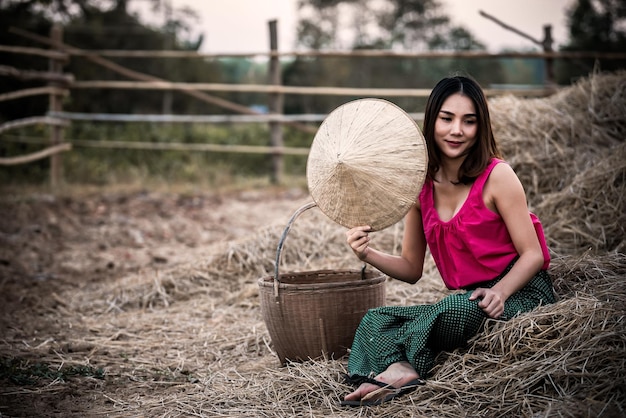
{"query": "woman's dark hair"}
[(485, 147)]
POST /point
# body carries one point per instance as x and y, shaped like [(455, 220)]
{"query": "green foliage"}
[(391, 24), (598, 25), (107, 166), (24, 373), (91, 25)]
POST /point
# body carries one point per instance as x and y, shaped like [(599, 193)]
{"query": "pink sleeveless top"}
[(474, 246)]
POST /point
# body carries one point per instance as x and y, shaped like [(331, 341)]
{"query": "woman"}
[(472, 214)]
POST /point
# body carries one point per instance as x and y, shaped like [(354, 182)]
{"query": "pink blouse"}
[(474, 246)]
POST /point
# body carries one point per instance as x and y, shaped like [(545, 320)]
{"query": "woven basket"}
[(316, 313)]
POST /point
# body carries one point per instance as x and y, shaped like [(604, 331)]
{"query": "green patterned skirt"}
[(417, 334)]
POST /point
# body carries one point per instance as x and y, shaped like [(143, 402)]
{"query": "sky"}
[(241, 26)]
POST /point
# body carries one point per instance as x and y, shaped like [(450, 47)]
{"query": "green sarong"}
[(417, 334)]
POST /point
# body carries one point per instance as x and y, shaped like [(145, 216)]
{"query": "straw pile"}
[(569, 152), (190, 341)]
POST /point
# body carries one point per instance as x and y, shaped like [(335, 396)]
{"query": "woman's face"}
[(456, 126)]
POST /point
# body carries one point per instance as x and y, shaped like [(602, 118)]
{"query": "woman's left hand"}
[(492, 301)]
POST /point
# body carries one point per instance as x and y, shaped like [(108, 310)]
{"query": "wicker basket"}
[(315, 314)]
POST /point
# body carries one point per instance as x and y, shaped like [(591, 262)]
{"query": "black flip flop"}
[(395, 392)]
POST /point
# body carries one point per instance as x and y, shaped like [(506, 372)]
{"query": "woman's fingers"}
[(358, 239), (490, 302)]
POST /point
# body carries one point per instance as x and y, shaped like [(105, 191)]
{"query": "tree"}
[(595, 25), (98, 24), (408, 25), (400, 25)]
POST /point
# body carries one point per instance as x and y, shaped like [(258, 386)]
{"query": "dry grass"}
[(190, 340)]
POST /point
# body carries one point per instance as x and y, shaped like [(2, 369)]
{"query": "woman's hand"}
[(492, 301), (358, 239)]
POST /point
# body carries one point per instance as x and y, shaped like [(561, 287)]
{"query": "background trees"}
[(396, 25), (97, 24), (594, 25)]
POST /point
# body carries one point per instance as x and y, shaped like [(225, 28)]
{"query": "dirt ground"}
[(145, 304), (53, 248)]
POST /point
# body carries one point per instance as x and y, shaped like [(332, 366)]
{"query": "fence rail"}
[(349, 54), (279, 89), (261, 118)]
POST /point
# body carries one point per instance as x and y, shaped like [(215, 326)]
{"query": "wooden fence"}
[(59, 85)]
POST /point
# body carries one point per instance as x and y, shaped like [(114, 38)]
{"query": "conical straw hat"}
[(367, 164)]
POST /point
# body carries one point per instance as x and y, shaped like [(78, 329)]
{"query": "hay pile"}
[(190, 341), (569, 152)]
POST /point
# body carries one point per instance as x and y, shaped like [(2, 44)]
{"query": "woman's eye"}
[(470, 122)]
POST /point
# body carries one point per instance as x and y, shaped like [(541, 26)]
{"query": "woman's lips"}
[(454, 143)]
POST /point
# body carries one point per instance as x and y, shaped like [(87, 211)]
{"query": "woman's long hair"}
[(485, 147)]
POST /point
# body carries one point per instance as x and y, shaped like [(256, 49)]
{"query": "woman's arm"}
[(406, 267), (504, 194)]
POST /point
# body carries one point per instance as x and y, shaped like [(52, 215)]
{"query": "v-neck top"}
[(474, 246)]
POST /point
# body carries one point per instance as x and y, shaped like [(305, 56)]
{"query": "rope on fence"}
[(45, 153)]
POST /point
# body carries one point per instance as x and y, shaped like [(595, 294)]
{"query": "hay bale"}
[(568, 150)]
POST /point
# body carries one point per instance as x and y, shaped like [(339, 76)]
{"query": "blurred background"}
[(207, 123)]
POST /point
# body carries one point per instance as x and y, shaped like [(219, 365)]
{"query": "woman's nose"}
[(456, 128)]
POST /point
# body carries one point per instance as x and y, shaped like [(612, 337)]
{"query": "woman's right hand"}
[(358, 239)]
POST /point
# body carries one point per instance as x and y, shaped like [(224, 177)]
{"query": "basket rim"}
[(373, 279)]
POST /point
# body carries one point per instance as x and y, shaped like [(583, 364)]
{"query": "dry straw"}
[(569, 152), (190, 340), (367, 164)]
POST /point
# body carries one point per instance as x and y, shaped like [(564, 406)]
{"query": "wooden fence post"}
[(55, 105), (275, 105), (549, 62)]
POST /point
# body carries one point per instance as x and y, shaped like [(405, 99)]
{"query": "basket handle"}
[(282, 241)]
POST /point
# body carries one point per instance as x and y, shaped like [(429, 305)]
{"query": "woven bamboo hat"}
[(367, 164)]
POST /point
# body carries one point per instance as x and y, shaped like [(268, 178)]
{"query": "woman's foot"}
[(396, 376)]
